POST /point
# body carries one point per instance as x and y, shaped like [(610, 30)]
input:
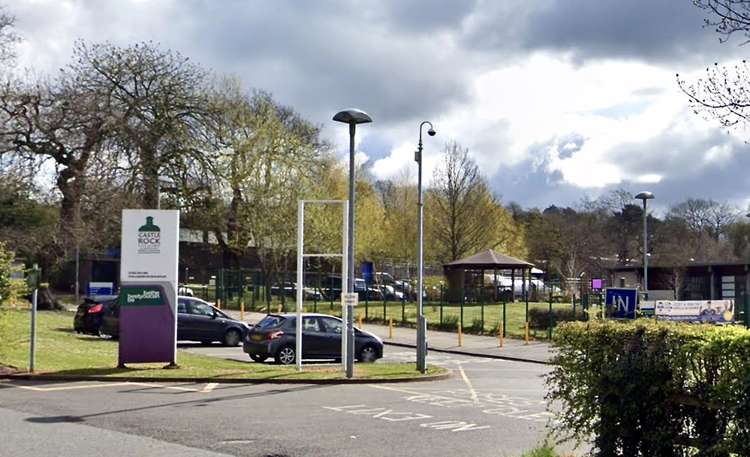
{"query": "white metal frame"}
[(301, 270)]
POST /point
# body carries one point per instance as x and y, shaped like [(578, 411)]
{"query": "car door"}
[(313, 337), (184, 320), (332, 328), (203, 322)]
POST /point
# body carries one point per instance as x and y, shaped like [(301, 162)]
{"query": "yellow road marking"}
[(473, 392)]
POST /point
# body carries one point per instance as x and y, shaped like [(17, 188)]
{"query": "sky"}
[(556, 100)]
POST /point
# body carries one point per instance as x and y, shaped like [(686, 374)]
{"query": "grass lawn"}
[(61, 351), (473, 315)]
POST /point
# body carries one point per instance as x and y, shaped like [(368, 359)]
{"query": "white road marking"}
[(113, 384), (473, 392), (209, 387), (391, 415), (69, 387)]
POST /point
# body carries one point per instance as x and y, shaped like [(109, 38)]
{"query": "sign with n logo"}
[(622, 302)]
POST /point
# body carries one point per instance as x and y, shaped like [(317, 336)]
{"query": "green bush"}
[(450, 323), (541, 319), (542, 451), (649, 388)]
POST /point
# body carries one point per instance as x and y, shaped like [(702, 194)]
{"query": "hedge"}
[(541, 319), (649, 388)]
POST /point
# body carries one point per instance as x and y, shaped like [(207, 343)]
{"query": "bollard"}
[(242, 310), (526, 334), (500, 335), (218, 303), (281, 307), (359, 321), (460, 336), (390, 329)]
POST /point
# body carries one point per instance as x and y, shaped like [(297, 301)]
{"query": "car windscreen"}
[(220, 313), (270, 322)]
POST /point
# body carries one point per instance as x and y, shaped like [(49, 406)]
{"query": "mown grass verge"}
[(62, 352)]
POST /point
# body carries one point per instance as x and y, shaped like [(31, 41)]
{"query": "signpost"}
[(148, 286), (623, 302), (349, 304), (33, 281)]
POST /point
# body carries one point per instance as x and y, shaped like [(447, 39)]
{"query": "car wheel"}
[(258, 358), (367, 354), (232, 338), (285, 355)]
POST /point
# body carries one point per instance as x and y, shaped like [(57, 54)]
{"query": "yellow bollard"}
[(359, 321), (218, 303), (526, 333), (500, 335), (390, 329), (280, 308), (460, 336), (242, 310)]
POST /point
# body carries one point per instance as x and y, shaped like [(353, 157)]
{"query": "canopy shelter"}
[(466, 276)]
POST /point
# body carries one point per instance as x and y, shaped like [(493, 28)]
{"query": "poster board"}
[(697, 311)]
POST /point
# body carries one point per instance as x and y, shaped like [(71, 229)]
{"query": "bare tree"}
[(159, 100), (727, 16), (55, 120), (8, 38), (463, 216), (705, 216)]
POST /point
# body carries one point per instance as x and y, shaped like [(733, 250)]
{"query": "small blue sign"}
[(100, 288), (622, 302), (368, 272)]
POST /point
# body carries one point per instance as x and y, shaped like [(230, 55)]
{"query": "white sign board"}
[(695, 310), (148, 285), (349, 299)]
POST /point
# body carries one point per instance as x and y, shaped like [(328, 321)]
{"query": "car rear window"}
[(270, 322)]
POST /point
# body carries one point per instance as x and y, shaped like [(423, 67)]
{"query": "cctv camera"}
[(431, 132)]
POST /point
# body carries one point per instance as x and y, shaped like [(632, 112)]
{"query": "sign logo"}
[(149, 237), (622, 302), (141, 296)]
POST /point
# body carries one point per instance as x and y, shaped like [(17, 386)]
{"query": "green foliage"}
[(449, 323), (541, 319), (6, 268), (650, 388), (542, 451)]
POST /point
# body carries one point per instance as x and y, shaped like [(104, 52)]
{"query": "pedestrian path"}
[(475, 345)]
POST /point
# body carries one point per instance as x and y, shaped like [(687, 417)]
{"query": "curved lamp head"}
[(431, 132), (352, 116), (645, 195)]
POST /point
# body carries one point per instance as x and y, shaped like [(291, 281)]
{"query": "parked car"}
[(196, 321), (367, 292), (289, 289), (275, 336), (89, 314)]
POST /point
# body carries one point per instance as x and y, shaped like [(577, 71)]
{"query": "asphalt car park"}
[(489, 408)]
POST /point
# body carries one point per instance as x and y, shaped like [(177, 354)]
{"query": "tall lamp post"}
[(645, 196), (421, 322), (352, 117)]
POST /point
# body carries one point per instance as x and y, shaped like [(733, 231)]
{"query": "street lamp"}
[(421, 322), (352, 117), (161, 180), (645, 196)]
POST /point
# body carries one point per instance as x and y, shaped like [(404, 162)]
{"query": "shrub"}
[(648, 388), (449, 323), (541, 319), (477, 326)]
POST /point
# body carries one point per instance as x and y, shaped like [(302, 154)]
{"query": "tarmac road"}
[(489, 408)]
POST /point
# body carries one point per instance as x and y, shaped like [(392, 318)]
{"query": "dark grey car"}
[(275, 336)]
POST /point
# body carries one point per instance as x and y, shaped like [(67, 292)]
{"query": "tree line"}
[(139, 126), (132, 126)]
